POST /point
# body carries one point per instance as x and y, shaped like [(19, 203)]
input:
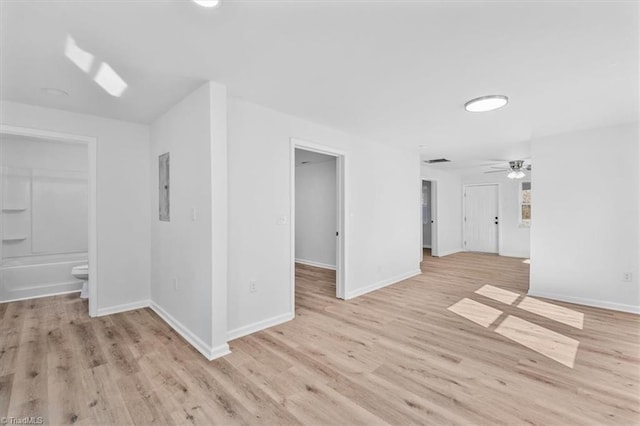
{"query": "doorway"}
[(317, 212), (27, 205), (481, 221), (429, 211)]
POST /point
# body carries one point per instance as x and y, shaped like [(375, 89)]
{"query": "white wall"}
[(383, 196), (514, 238), (184, 255), (316, 213), (122, 193), (32, 153), (448, 207), (584, 232)]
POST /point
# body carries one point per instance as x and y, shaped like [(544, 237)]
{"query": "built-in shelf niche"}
[(16, 215), (7, 239)]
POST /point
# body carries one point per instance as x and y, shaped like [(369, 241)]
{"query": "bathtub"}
[(37, 276)]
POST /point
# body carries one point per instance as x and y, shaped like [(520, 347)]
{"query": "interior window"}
[(525, 203)]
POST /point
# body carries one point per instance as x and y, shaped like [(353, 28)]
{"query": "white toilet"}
[(82, 273)]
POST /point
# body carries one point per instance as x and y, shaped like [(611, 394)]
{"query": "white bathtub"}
[(38, 276)]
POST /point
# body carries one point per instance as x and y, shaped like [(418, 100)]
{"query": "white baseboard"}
[(443, 253), (209, 352), (316, 264), (218, 351), (122, 308), (515, 254), (381, 284), (258, 326), (41, 296), (587, 302)]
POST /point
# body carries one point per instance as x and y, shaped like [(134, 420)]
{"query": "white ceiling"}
[(394, 71), (310, 157)]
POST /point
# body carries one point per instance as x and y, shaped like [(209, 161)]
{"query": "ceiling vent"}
[(437, 160)]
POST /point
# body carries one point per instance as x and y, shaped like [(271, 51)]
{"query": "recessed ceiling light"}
[(207, 3), (486, 103), (51, 91)]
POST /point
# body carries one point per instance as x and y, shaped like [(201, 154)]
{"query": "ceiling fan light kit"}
[(516, 174), (516, 169)]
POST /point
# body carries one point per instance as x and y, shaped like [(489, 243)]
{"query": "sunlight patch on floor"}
[(475, 311), (554, 312), (554, 345), (499, 294)]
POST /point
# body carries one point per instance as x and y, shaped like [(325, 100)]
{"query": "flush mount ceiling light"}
[(207, 3), (52, 91), (486, 103)]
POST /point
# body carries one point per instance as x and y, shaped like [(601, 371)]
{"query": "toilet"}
[(82, 273)]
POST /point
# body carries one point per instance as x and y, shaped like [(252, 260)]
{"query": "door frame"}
[(434, 217), (91, 143), (341, 193), (464, 214)]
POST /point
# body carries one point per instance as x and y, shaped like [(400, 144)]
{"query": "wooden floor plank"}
[(29, 390), (394, 356), (6, 383)]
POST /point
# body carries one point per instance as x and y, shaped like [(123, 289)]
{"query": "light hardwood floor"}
[(396, 356)]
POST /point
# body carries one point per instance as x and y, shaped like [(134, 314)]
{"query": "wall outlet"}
[(253, 286), (175, 284), (627, 277)]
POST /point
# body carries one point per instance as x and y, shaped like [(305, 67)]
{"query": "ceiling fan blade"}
[(499, 168), (497, 171)]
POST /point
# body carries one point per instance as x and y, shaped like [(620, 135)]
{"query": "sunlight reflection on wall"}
[(106, 77), (81, 58)]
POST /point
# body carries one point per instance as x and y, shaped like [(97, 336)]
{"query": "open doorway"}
[(317, 224), (48, 223), (429, 215)]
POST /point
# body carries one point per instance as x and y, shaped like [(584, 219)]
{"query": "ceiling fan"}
[(516, 169)]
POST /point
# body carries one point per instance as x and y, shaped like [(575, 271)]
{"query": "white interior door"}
[(481, 218), (426, 214)]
